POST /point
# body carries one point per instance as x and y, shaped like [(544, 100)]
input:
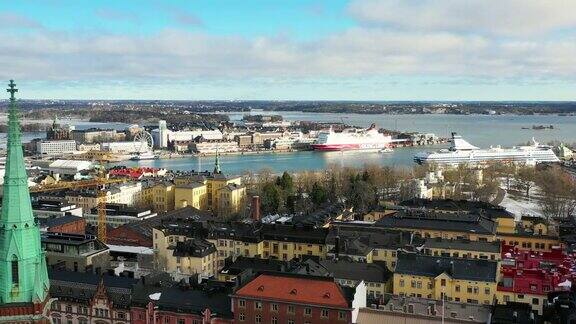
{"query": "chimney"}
[(255, 213)]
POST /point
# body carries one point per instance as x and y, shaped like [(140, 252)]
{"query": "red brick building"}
[(291, 299), (67, 224)]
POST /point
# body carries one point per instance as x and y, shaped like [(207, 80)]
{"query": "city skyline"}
[(296, 50)]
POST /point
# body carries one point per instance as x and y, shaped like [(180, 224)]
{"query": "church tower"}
[(23, 274)]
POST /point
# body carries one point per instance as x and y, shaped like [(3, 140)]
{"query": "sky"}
[(290, 49)]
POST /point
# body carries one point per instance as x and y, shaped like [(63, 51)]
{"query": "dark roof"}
[(193, 247), (462, 244), (512, 313), (184, 298), (489, 210), (432, 266), (144, 227), (69, 285), (236, 231), (256, 264), (295, 233), (374, 237), (456, 222), (351, 246), (67, 238), (66, 219), (371, 272), (121, 209)]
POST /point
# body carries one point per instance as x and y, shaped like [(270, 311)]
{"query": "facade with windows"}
[(89, 298), (283, 298)]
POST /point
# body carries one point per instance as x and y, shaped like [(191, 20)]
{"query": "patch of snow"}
[(567, 283), (521, 207), (155, 296)]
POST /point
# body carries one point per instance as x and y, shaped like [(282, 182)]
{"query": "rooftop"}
[(371, 272), (455, 222), (296, 289), (194, 247), (462, 244), (432, 266)]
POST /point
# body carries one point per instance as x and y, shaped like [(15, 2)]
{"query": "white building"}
[(69, 167), (46, 147), (89, 147), (162, 139), (214, 146), (116, 217), (125, 147)]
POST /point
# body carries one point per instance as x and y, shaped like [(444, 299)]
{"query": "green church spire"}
[(23, 273)]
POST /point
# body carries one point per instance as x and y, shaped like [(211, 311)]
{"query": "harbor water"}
[(480, 130)]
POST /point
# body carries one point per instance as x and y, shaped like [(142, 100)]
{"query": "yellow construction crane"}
[(99, 182)]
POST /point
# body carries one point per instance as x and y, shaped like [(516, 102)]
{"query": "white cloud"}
[(358, 52), (499, 17)]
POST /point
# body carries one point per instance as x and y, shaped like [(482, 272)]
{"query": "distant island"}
[(209, 113)]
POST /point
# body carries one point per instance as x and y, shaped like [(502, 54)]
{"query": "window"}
[(241, 303), (181, 321), (258, 318), (241, 317), (401, 282), (258, 305), (274, 320), (290, 321), (342, 315), (324, 313), (535, 301), (82, 321), (291, 309), (15, 274), (443, 282), (274, 307), (307, 311), (487, 291), (68, 309), (457, 288)]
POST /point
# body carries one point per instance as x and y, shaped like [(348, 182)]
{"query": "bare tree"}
[(558, 193)]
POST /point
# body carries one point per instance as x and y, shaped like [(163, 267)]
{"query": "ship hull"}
[(348, 147)]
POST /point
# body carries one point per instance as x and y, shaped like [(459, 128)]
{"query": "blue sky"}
[(291, 49)]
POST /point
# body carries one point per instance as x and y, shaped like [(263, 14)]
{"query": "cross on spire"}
[(12, 89)]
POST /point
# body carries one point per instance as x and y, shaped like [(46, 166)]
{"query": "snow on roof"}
[(566, 283), (155, 296), (71, 164), (130, 249)]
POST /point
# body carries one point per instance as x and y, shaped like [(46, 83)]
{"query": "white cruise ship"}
[(352, 139), (463, 152)]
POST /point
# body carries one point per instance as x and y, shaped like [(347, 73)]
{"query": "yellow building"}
[(376, 276), (456, 279), (162, 196), (463, 249), (215, 191), (192, 256), (231, 200), (285, 242), (191, 194), (233, 240), (382, 244)]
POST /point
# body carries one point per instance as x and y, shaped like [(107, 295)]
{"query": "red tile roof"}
[(294, 289)]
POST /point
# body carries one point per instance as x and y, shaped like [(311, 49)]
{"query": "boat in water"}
[(386, 150), (352, 139), (144, 156), (463, 152)]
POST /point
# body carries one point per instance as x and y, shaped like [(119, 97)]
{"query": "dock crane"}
[(99, 182)]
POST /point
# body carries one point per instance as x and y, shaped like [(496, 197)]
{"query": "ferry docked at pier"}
[(463, 152), (352, 139)]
